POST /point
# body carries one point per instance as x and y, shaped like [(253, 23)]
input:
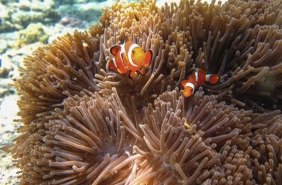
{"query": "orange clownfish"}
[(129, 57), (198, 78)]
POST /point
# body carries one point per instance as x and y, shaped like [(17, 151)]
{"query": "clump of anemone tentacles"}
[(84, 124)]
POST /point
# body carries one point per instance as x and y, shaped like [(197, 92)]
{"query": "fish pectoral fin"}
[(131, 74), (120, 71), (148, 58), (214, 79), (141, 72), (111, 66), (114, 50)]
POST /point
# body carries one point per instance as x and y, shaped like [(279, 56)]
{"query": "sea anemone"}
[(84, 124)]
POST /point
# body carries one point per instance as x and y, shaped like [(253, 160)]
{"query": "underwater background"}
[(24, 26)]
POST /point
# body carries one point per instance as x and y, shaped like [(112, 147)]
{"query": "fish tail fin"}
[(111, 65), (115, 49)]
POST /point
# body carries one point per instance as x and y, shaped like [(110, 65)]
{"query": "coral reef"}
[(17, 15), (84, 124), (33, 33)]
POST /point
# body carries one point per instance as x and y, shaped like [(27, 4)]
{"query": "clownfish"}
[(198, 78), (129, 56)]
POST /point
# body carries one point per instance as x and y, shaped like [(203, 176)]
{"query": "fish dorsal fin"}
[(183, 82), (127, 39), (114, 50)]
